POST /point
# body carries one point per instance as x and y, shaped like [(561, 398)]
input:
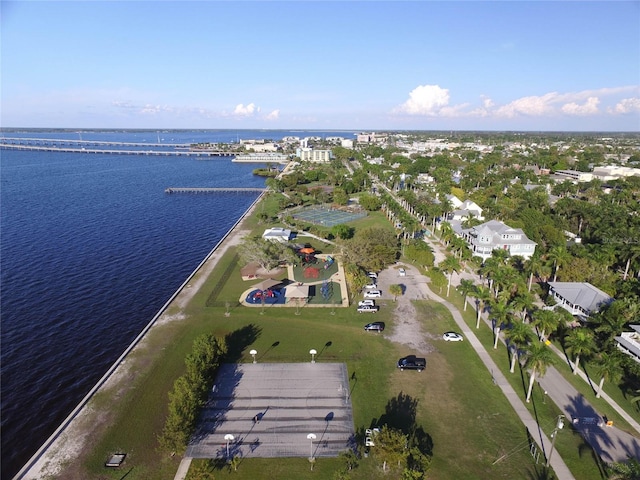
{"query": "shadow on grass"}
[(400, 414), (238, 340)]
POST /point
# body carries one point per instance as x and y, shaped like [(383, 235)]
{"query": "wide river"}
[(90, 248)]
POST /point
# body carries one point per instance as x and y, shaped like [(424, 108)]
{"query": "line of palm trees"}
[(512, 310)]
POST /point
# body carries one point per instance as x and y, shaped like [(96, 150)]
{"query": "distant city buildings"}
[(309, 154)]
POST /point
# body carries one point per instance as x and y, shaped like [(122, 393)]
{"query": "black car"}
[(374, 327), (412, 362)]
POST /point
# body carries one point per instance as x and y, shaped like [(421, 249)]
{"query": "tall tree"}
[(538, 358), (580, 342), (518, 334), (482, 296), (545, 321), (609, 368), (500, 313), (465, 288), (449, 265), (559, 256)]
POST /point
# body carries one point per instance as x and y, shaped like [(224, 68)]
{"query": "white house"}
[(467, 209), (629, 342), (489, 236), (579, 298), (277, 234)]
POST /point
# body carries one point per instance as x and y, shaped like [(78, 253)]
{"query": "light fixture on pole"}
[(559, 426), (311, 437), (253, 353), (313, 352), (229, 438)]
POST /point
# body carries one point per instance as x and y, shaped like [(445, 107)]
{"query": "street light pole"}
[(559, 426), (253, 353), (228, 437), (311, 437), (313, 355)]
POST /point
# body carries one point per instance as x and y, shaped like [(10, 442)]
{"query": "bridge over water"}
[(51, 148), (213, 190)]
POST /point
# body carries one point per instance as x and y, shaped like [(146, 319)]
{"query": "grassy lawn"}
[(473, 430)]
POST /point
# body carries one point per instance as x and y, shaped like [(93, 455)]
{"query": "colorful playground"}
[(316, 281)]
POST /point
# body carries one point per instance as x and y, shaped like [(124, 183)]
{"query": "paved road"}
[(611, 443)]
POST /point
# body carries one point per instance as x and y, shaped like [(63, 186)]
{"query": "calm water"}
[(91, 248)]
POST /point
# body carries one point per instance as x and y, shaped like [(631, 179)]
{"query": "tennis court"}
[(327, 216)]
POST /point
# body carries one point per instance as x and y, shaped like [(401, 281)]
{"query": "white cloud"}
[(425, 100), (627, 105), (273, 115), (590, 107), (534, 106), (247, 111)]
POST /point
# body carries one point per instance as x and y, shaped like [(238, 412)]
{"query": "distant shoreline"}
[(59, 448)]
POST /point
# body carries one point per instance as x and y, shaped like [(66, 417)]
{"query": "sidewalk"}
[(610, 443), (544, 443)]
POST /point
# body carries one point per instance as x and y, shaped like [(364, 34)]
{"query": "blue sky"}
[(417, 65)]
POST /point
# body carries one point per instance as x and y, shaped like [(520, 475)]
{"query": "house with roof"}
[(466, 209), (492, 235), (579, 298), (629, 342), (277, 234)]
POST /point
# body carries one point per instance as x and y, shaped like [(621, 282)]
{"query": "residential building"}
[(629, 342), (310, 155), (466, 209), (489, 236), (579, 298)]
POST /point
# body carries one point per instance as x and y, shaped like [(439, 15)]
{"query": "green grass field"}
[(474, 432)]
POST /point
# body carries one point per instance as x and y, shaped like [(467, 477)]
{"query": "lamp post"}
[(313, 356), (253, 353), (559, 426), (311, 437), (229, 438)]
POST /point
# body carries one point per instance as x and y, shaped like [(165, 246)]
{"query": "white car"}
[(368, 309), (372, 294), (371, 286), (452, 337), (372, 275), (402, 272), (367, 303)]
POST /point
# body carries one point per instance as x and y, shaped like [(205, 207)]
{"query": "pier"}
[(213, 190)]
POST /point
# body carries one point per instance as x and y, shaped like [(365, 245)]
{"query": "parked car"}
[(411, 362), (402, 272), (372, 275), (452, 337), (368, 309), (363, 303), (371, 286), (372, 294), (374, 327)]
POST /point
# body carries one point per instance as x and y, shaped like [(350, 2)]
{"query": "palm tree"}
[(545, 321), (539, 357), (580, 342), (532, 267), (523, 301), (560, 257), (482, 295), (519, 334), (609, 368), (465, 287), (499, 312), (449, 265)]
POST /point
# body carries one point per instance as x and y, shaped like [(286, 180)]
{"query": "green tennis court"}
[(327, 216)]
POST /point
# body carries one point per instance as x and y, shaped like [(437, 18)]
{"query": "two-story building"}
[(489, 236)]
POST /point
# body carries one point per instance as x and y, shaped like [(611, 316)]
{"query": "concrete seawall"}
[(62, 447)]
